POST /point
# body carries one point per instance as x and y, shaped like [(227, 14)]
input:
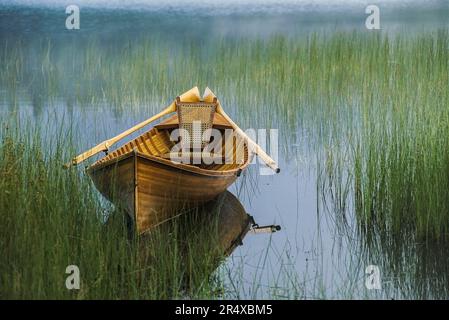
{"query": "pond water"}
[(315, 255)]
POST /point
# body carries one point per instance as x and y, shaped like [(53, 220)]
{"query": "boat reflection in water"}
[(223, 222), (192, 245)]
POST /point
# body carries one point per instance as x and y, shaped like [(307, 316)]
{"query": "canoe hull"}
[(152, 191)]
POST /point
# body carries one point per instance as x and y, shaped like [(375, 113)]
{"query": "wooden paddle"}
[(208, 97), (192, 95)]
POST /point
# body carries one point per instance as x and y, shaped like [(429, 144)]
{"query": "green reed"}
[(389, 169), (53, 218), (401, 160)]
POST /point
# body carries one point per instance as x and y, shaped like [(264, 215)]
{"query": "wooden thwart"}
[(173, 122)]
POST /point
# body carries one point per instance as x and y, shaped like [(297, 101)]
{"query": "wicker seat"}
[(195, 118)]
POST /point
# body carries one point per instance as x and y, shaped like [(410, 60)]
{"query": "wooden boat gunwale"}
[(179, 166)]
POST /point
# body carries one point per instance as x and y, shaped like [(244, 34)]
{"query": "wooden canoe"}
[(151, 188)]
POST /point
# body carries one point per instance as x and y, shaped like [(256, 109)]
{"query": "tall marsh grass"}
[(53, 218), (401, 156), (389, 169)]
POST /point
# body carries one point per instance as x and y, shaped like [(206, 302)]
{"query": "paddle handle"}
[(264, 156), (191, 95), (251, 144), (105, 145)]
